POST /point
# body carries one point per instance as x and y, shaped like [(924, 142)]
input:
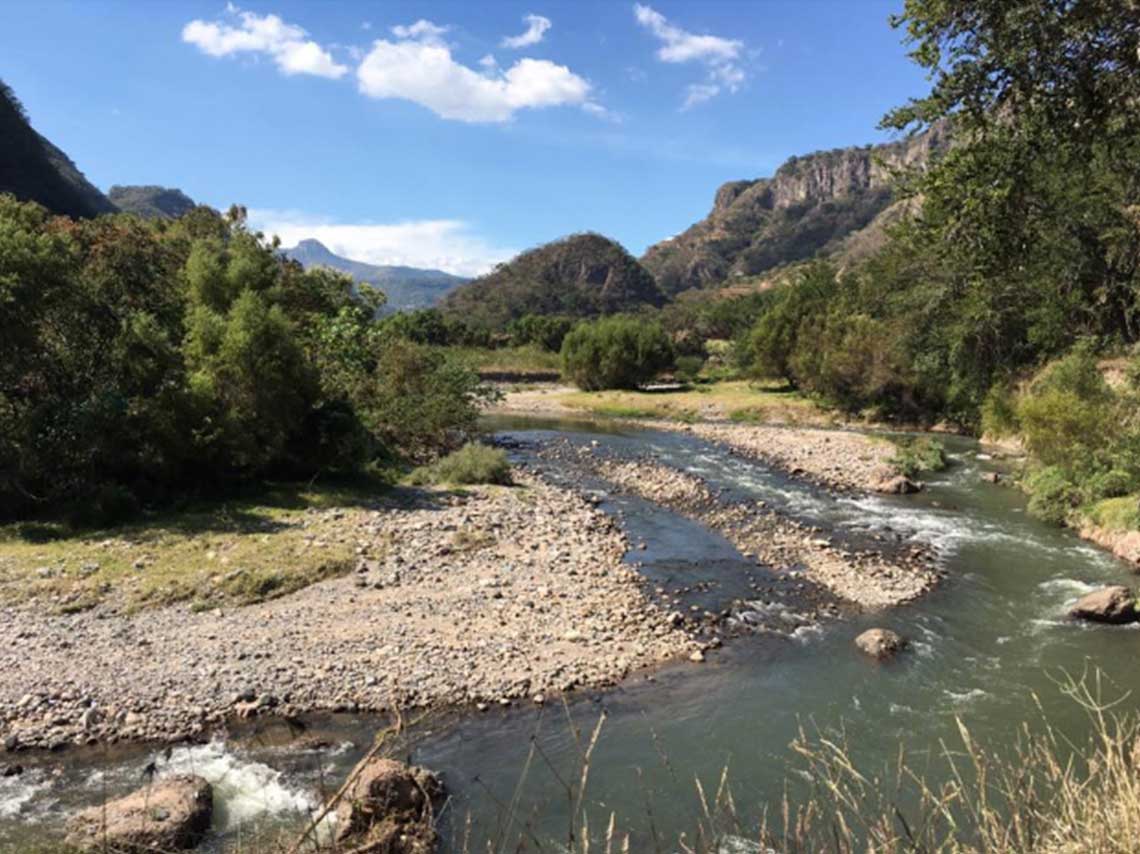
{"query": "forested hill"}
[(407, 288), (32, 169), (581, 275), (813, 205), (151, 202)]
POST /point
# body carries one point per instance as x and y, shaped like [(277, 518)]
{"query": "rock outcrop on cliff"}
[(829, 202)]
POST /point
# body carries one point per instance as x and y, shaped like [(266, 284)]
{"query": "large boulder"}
[(170, 815), (880, 643), (1113, 604), (389, 809)]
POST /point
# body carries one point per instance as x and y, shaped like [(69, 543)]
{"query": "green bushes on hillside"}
[(1083, 435), (144, 360), (618, 352)]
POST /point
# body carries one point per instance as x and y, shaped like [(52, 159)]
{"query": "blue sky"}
[(452, 134)]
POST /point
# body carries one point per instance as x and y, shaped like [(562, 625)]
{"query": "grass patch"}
[(471, 464), (510, 360), (918, 454), (1115, 514), (234, 552), (736, 400)]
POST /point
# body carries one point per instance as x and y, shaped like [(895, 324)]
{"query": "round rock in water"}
[(880, 643)]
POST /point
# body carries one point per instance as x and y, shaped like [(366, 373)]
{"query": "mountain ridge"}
[(33, 169), (407, 288)]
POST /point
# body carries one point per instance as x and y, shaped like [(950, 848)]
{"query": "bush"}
[(688, 368), (919, 454), (618, 352), (1052, 495), (471, 464)]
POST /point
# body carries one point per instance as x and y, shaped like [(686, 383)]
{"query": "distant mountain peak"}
[(581, 275), (310, 244), (407, 288), (150, 201)]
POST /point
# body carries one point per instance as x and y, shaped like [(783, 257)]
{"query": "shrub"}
[(1052, 495), (688, 368), (618, 352), (999, 412), (919, 454), (471, 464)]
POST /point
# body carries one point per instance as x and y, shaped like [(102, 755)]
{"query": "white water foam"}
[(244, 791), (1071, 587), (17, 792), (965, 698)]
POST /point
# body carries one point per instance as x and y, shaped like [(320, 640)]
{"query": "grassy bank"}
[(509, 360), (735, 400), (238, 551)]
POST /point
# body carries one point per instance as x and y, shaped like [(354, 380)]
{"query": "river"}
[(986, 642)]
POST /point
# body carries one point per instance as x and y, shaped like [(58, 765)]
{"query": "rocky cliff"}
[(812, 205)]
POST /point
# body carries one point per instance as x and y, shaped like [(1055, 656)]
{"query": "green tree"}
[(621, 351)]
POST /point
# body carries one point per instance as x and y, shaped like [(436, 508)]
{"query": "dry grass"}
[(735, 400), (234, 552)]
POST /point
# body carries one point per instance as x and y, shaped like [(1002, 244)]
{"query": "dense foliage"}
[(139, 360), (617, 352)]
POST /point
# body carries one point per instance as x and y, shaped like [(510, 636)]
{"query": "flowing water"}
[(986, 642)]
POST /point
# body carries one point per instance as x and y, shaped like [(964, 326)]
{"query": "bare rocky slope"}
[(828, 202)]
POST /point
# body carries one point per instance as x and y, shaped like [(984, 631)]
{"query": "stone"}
[(389, 807), (896, 485), (992, 477), (90, 718), (696, 656), (1114, 604), (170, 815), (880, 644)]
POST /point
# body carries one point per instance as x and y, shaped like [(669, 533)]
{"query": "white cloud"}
[(719, 55), (489, 61), (287, 44), (420, 68), (439, 244), (536, 27), (421, 30), (698, 93)]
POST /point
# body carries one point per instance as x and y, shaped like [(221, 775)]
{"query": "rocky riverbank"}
[(496, 595), (868, 579), (836, 459)]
